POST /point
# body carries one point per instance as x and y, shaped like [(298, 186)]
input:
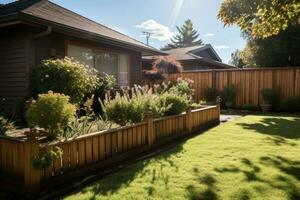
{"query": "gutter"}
[(47, 32)]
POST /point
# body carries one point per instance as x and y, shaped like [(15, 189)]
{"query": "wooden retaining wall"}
[(97, 150), (249, 81)]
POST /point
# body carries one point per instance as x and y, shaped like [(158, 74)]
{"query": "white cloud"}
[(157, 30), (209, 34), (221, 46)]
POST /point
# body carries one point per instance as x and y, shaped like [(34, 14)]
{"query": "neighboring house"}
[(192, 58), (34, 30)]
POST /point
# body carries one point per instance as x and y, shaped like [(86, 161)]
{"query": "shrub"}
[(182, 87), (5, 125), (106, 84), (124, 109), (51, 111), (64, 76), (172, 104), (211, 95), (291, 104), (271, 96), (250, 107), (229, 94)]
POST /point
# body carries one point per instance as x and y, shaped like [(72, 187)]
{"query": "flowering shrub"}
[(127, 108), (51, 111), (65, 76), (132, 108)]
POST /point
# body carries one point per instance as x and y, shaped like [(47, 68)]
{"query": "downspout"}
[(47, 32)]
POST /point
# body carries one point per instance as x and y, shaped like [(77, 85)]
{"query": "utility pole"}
[(148, 35)]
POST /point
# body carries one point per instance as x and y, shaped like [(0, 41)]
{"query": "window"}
[(114, 64), (81, 54)]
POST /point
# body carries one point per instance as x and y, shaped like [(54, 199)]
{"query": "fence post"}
[(218, 102), (150, 127), (188, 120), (32, 176)]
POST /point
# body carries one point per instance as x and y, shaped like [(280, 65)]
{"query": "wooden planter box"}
[(94, 151)]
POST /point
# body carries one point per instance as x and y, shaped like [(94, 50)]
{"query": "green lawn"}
[(254, 157)]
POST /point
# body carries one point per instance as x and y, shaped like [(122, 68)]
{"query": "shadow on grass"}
[(280, 129), (112, 183), (210, 192), (285, 181)]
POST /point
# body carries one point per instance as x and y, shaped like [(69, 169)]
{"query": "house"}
[(193, 58), (34, 30)]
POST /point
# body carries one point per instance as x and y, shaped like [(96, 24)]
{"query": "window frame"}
[(96, 48)]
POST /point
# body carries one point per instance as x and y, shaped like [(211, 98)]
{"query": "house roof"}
[(189, 53), (51, 12)]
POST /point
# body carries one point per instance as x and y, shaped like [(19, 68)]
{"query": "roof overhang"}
[(42, 23)]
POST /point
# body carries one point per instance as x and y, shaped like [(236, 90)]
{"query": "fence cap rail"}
[(86, 136), (236, 69), (4, 137)]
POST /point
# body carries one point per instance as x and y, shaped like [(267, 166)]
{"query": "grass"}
[(253, 157)]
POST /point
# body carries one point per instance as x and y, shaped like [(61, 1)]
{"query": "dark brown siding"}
[(13, 62), (136, 68)]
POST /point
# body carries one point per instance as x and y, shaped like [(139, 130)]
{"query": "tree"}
[(261, 18), (276, 51), (187, 36), (236, 59)]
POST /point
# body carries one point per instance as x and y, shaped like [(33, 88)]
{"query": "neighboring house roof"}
[(53, 13), (194, 53)]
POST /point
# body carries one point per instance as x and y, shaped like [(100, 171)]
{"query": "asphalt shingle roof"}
[(44, 9)]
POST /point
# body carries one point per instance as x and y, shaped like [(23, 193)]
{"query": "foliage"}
[(277, 51), (187, 36), (229, 93), (211, 95), (132, 106), (172, 104), (5, 125), (106, 83), (261, 19), (237, 59), (127, 108), (45, 158), (270, 96), (250, 107), (65, 76), (291, 104), (87, 123), (51, 111), (167, 64), (181, 87)]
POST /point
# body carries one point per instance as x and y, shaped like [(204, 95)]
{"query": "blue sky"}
[(132, 17)]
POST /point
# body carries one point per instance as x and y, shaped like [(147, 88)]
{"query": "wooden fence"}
[(249, 81), (93, 151)]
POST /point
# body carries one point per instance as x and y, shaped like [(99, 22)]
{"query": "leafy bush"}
[(106, 84), (182, 87), (211, 94), (51, 111), (65, 76), (45, 159), (271, 97), (5, 125), (291, 104), (228, 95), (250, 107), (172, 104), (124, 109)]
